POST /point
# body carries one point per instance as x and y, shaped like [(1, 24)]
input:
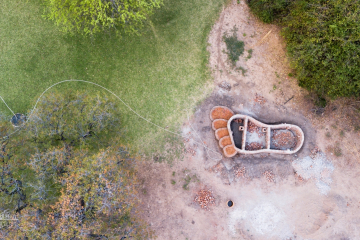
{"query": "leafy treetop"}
[(92, 16)]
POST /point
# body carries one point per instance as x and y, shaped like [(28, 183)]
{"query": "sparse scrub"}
[(342, 133), (250, 51), (337, 151), (188, 179), (187, 182), (235, 48), (243, 70)]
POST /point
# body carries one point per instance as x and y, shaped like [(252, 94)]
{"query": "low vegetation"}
[(269, 10), (323, 42), (235, 47)]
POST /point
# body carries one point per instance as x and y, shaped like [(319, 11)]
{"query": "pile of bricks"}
[(252, 127), (205, 199), (281, 139), (253, 146), (270, 176), (259, 99), (240, 172)]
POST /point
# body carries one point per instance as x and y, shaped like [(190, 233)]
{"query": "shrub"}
[(269, 10), (235, 48), (323, 40)]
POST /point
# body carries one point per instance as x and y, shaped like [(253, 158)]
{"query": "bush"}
[(323, 40), (235, 48), (269, 10)]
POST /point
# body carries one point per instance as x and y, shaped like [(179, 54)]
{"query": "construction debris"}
[(225, 85), (270, 176), (191, 151), (238, 120), (259, 99), (283, 139), (240, 172), (205, 199), (252, 127), (253, 146), (299, 178)]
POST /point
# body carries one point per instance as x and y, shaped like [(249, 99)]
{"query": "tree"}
[(97, 200), (66, 176), (92, 16), (73, 119)]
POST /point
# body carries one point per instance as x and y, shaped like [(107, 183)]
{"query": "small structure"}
[(238, 133)]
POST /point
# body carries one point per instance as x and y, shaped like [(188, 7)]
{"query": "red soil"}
[(225, 141), (219, 123), (229, 151), (222, 132), (221, 113)]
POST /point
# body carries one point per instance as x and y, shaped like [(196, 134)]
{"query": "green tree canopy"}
[(66, 176), (91, 16), (323, 41)]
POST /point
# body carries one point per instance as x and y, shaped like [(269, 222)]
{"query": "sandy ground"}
[(314, 194)]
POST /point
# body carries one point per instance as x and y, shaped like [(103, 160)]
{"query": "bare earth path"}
[(314, 194)]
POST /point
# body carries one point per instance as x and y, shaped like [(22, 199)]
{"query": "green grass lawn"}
[(160, 74)]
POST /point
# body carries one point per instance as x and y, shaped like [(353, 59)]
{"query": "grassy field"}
[(160, 74)]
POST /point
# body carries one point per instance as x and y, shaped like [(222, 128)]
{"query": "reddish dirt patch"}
[(229, 151), (253, 146), (221, 113), (283, 139), (220, 133), (219, 123), (225, 141)]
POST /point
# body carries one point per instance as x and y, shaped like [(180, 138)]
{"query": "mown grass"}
[(160, 74)]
